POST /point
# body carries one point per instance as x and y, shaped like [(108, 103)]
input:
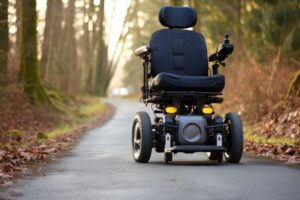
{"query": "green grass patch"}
[(91, 109), (271, 140), (79, 116), (61, 131)]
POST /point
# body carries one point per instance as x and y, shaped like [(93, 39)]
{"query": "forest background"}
[(56, 56)]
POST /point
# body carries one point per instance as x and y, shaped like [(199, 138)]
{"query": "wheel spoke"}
[(137, 144), (142, 142), (137, 139)]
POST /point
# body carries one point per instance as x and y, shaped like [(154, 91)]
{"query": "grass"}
[(78, 117), (60, 131), (272, 140), (255, 138), (91, 109)]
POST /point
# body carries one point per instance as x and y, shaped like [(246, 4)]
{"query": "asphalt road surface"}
[(100, 166)]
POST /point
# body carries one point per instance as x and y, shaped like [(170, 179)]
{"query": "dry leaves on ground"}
[(283, 122), (15, 160), (284, 153)]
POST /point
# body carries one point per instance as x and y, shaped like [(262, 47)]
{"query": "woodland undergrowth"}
[(272, 119)]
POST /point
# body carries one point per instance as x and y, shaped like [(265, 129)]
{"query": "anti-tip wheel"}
[(220, 158), (212, 155), (168, 157), (217, 156)]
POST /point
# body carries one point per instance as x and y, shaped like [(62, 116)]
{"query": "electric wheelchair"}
[(181, 90)]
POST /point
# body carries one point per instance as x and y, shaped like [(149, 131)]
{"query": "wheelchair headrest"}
[(177, 17)]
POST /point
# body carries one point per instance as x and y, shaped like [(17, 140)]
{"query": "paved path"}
[(100, 166)]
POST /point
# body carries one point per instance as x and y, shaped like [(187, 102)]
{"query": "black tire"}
[(220, 158), (168, 157), (141, 138), (234, 150)]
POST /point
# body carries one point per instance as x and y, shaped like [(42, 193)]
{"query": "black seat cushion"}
[(172, 82)]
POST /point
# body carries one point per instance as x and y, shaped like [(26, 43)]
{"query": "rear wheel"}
[(142, 137), (234, 150)]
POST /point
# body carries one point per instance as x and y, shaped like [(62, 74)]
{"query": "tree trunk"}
[(89, 42), (197, 6), (52, 33), (47, 38), (29, 63), (4, 39), (18, 6), (102, 71), (67, 75)]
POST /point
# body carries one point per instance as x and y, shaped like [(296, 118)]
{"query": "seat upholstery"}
[(172, 82), (179, 58), (177, 17), (181, 52)]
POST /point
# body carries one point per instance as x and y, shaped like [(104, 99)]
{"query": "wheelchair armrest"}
[(142, 51)]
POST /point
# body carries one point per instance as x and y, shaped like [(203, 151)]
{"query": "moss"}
[(15, 135), (58, 96), (294, 87), (41, 135)]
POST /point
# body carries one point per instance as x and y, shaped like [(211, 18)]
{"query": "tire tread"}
[(146, 136), (236, 143)]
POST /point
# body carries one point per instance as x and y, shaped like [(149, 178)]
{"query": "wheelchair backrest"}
[(178, 51)]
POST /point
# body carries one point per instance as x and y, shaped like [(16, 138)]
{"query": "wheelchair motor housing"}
[(191, 130), (177, 83)]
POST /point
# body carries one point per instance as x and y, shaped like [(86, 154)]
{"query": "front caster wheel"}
[(168, 157), (218, 156), (212, 155), (142, 141), (235, 138)]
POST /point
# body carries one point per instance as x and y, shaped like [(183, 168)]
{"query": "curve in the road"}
[(100, 166)]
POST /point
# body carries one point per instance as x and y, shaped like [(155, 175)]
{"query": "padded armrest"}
[(142, 51)]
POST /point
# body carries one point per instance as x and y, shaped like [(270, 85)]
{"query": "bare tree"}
[(102, 72), (4, 39), (67, 63), (52, 33)]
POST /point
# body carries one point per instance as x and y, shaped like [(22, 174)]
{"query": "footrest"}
[(195, 148)]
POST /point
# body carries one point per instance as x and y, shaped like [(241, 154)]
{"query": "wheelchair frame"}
[(194, 99), (209, 132)]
